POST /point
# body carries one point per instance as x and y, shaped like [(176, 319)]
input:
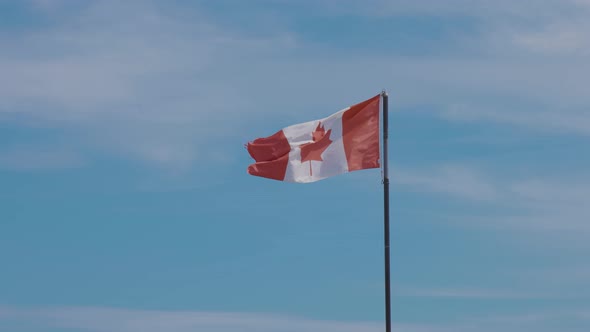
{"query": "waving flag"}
[(345, 141)]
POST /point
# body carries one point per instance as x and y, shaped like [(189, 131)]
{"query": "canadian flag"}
[(345, 141)]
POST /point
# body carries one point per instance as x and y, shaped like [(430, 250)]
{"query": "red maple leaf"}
[(313, 151)]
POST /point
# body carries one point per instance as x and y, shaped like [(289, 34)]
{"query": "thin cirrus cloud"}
[(156, 85), (95, 319), (527, 203), (126, 320), (161, 88), (453, 180), (547, 205), (537, 59), (136, 81), (575, 121), (468, 293), (30, 159)]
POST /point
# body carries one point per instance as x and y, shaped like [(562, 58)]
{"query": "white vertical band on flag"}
[(334, 158)]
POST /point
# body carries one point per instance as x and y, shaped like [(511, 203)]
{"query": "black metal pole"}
[(385, 98)]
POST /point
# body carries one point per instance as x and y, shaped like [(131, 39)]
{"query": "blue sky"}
[(126, 205)]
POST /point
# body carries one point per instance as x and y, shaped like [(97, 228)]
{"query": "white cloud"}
[(514, 50), (164, 85), (95, 319), (458, 181), (547, 205), (35, 158), (136, 80), (569, 280), (557, 121), (125, 320), (544, 191), (566, 37), (482, 8), (46, 5), (524, 203), (467, 293)]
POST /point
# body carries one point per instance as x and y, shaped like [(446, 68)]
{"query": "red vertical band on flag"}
[(360, 134), (271, 155)]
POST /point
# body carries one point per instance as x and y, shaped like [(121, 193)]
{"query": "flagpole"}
[(385, 161)]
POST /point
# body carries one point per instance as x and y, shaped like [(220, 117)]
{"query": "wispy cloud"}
[(562, 122), (564, 37), (467, 293), (137, 80), (530, 203), (548, 205), (162, 85), (454, 180), (568, 280), (124, 320), (576, 319), (533, 56), (35, 158)]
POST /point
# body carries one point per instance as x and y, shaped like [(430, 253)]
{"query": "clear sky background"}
[(125, 204)]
